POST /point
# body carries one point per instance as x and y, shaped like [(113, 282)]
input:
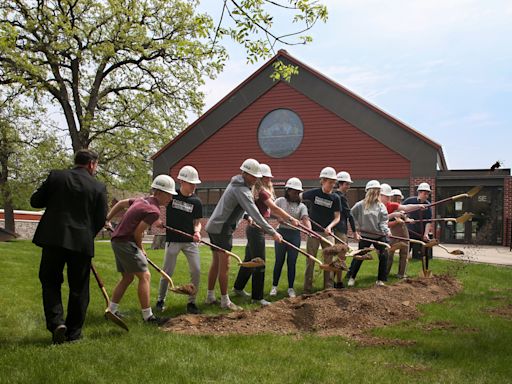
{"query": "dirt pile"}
[(347, 312)]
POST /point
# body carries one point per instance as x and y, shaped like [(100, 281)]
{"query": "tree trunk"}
[(6, 197)]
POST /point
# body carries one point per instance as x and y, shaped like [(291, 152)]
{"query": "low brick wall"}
[(24, 228)]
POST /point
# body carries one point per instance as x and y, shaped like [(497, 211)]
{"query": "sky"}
[(443, 67)]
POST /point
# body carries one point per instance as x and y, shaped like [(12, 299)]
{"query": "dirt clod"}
[(348, 312)]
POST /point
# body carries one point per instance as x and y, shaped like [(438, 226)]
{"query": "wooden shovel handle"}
[(162, 272), (100, 284), (303, 252), (204, 242)]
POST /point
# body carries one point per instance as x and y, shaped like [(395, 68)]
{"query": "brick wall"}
[(507, 210)]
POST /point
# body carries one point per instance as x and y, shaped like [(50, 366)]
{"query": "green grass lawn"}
[(476, 347)]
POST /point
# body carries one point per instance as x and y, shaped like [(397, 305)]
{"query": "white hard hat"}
[(164, 183), (328, 173), (385, 189), (372, 184), (397, 192), (189, 174), (252, 167), (294, 183), (344, 176), (265, 170), (424, 187)]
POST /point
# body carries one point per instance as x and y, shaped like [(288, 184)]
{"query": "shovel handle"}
[(205, 242), (312, 233), (161, 271), (100, 284), (301, 251), (332, 234)]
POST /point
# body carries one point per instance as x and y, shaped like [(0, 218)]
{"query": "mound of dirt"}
[(348, 312)]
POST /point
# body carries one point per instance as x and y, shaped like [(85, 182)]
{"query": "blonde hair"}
[(371, 197), (258, 186)]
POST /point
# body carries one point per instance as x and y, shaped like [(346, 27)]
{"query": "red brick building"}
[(312, 122)]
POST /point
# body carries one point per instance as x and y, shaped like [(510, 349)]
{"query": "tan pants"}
[(312, 246), (342, 236), (403, 252)]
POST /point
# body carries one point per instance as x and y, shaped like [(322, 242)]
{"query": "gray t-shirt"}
[(295, 210)]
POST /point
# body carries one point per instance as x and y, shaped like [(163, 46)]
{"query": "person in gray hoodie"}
[(236, 199), (371, 217)]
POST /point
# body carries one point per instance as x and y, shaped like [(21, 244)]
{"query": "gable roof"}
[(345, 103)]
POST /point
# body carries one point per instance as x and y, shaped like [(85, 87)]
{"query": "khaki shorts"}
[(129, 258)]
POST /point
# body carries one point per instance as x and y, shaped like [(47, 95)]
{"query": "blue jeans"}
[(292, 236)]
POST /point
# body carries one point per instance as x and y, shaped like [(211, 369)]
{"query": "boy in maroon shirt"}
[(126, 242)]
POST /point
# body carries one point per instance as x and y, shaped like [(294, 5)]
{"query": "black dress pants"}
[(255, 248), (51, 276)]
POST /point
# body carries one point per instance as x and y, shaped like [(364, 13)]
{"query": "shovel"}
[(187, 289), (472, 192), (325, 242), (425, 272), (254, 263), (335, 266), (108, 315)]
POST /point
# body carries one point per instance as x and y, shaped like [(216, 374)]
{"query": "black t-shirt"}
[(322, 206), (181, 213), (416, 230), (345, 215)]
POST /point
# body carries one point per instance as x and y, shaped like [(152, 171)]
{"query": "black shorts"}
[(223, 240)]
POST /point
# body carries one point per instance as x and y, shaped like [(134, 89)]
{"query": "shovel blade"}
[(465, 217), (188, 289), (254, 263), (115, 319), (457, 252), (473, 191)]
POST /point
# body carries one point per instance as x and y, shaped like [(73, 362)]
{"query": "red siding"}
[(328, 141)]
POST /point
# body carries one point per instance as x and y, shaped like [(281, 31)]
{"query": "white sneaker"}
[(273, 291), (240, 293), (263, 302), (231, 306), (211, 301), (380, 283), (351, 282), (291, 292)]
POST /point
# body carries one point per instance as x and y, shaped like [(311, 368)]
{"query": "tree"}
[(26, 153), (126, 73)]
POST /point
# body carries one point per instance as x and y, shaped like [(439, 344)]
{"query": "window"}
[(280, 133)]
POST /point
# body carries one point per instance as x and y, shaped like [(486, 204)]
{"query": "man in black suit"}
[(76, 208)]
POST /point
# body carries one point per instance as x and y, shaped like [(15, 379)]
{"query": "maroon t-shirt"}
[(142, 209), (260, 203)]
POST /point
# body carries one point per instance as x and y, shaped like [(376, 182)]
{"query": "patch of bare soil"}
[(347, 312), (447, 326), (505, 311)]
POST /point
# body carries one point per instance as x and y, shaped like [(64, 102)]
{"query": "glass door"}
[(487, 223)]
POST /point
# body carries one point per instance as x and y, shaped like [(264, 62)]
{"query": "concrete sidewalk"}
[(487, 254)]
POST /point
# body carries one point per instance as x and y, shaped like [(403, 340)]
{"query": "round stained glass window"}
[(280, 133)]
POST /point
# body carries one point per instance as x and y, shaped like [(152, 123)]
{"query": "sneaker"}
[(231, 306), (211, 301), (263, 302), (351, 282), (339, 285), (160, 305), (380, 283), (192, 308), (59, 334), (291, 293), (153, 320), (273, 291), (241, 293)]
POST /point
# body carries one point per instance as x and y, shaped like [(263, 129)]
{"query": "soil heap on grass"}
[(347, 312)]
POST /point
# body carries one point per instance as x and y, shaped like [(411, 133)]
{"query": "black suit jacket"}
[(76, 208)]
